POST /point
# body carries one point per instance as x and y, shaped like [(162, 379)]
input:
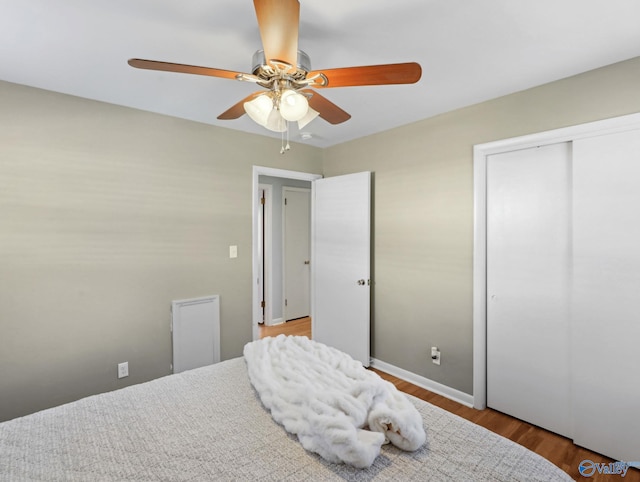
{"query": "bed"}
[(209, 424)]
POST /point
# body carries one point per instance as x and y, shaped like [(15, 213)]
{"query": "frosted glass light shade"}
[(275, 122), (259, 109), (308, 117), (293, 106)]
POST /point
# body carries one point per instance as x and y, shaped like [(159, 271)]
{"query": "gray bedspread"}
[(208, 424)]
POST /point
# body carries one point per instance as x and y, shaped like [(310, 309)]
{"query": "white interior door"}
[(297, 252), (528, 284), (341, 263), (606, 301)]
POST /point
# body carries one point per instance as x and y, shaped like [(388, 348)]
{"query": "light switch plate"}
[(233, 251)]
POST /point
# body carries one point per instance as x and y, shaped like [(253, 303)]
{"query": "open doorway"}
[(340, 260), (284, 231), (268, 243)]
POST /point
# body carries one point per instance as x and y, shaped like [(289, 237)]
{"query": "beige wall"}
[(106, 215), (423, 222)]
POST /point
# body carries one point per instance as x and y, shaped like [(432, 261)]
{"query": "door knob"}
[(361, 282), (307, 262)]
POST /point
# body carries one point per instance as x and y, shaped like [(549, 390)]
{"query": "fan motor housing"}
[(262, 70)]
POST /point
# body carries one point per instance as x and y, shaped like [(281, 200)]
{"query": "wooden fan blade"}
[(278, 21), (327, 109), (181, 68), (407, 73), (237, 110)]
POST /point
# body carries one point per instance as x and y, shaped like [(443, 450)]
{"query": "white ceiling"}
[(470, 51)]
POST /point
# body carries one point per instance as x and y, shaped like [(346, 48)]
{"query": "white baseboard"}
[(422, 382), (276, 321)]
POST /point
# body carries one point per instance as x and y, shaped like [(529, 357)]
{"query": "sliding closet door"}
[(528, 268), (606, 301)]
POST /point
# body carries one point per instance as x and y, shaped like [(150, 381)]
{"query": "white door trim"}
[(267, 283), (273, 172), (480, 154)]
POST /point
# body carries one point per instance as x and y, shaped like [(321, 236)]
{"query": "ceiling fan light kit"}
[(286, 73), (273, 112)]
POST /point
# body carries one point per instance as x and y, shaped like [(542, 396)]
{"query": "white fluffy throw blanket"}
[(329, 400)]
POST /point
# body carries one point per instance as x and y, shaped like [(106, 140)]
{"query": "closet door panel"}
[(528, 256), (606, 299)]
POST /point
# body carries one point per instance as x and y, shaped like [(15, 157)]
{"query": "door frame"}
[(265, 283), (273, 172), (284, 244), (480, 154)]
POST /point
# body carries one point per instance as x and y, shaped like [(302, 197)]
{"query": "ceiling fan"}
[(286, 73)]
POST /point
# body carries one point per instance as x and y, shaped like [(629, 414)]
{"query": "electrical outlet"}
[(435, 355), (123, 369)]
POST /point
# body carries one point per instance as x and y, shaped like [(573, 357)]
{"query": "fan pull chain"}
[(284, 148)]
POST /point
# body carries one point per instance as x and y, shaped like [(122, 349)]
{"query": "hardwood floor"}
[(299, 327), (559, 450)]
